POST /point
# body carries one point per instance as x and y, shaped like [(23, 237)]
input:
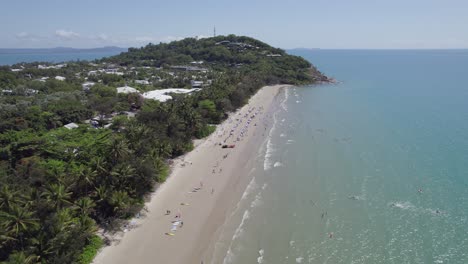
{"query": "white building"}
[(87, 85), (71, 126), (161, 95), (60, 78), (144, 82), (196, 84), (126, 90), (43, 79)]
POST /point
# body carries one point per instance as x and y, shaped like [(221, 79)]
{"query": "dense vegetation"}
[(57, 185)]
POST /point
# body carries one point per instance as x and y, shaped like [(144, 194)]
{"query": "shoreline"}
[(203, 187)]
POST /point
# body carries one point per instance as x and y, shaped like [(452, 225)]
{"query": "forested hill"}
[(82, 143), (238, 53)]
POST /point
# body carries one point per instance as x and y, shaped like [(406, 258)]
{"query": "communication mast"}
[(214, 31)]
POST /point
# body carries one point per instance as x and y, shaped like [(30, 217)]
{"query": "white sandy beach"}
[(222, 180)]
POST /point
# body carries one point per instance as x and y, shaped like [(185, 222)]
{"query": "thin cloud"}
[(101, 37), (66, 35), (25, 36), (170, 38), (146, 39)]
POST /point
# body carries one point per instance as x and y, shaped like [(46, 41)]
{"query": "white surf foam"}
[(240, 228), (278, 164), (299, 259), (257, 201), (286, 97), (249, 189), (260, 258), (239, 231), (269, 146)]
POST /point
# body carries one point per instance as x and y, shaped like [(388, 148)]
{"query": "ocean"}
[(12, 58), (373, 169)]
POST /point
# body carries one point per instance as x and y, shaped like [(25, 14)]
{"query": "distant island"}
[(83, 142), (61, 50)]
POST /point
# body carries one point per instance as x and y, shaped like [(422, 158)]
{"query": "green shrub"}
[(90, 251), (205, 131)]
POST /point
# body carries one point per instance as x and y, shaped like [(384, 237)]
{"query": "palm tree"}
[(57, 195), (163, 149), (5, 238), (87, 226), (8, 198), (119, 201), (99, 165), (122, 174), (118, 150), (17, 222), (86, 178), (21, 258), (85, 206)]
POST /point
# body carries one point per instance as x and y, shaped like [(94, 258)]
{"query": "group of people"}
[(239, 130), (239, 119)]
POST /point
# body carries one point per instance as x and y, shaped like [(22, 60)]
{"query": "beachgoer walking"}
[(168, 212)]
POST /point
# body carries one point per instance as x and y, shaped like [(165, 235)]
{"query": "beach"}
[(183, 216)]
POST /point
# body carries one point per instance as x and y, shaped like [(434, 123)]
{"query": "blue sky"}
[(375, 24)]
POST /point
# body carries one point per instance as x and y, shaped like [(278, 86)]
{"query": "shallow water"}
[(371, 170)]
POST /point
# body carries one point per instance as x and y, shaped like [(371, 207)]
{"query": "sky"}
[(327, 24)]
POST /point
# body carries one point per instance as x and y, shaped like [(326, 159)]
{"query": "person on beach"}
[(212, 190), (168, 212)]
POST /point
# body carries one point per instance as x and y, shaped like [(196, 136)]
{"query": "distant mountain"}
[(62, 50)]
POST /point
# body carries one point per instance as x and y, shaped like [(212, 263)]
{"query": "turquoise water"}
[(383, 155), (9, 59)]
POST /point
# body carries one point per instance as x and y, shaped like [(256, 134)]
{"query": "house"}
[(126, 90), (9, 92), (223, 42), (60, 78), (43, 79), (45, 67), (71, 126), (189, 68), (113, 71), (29, 91), (144, 82), (196, 84), (162, 95), (87, 85)]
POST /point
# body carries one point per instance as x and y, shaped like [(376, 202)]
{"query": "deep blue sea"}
[(9, 59), (373, 169)]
